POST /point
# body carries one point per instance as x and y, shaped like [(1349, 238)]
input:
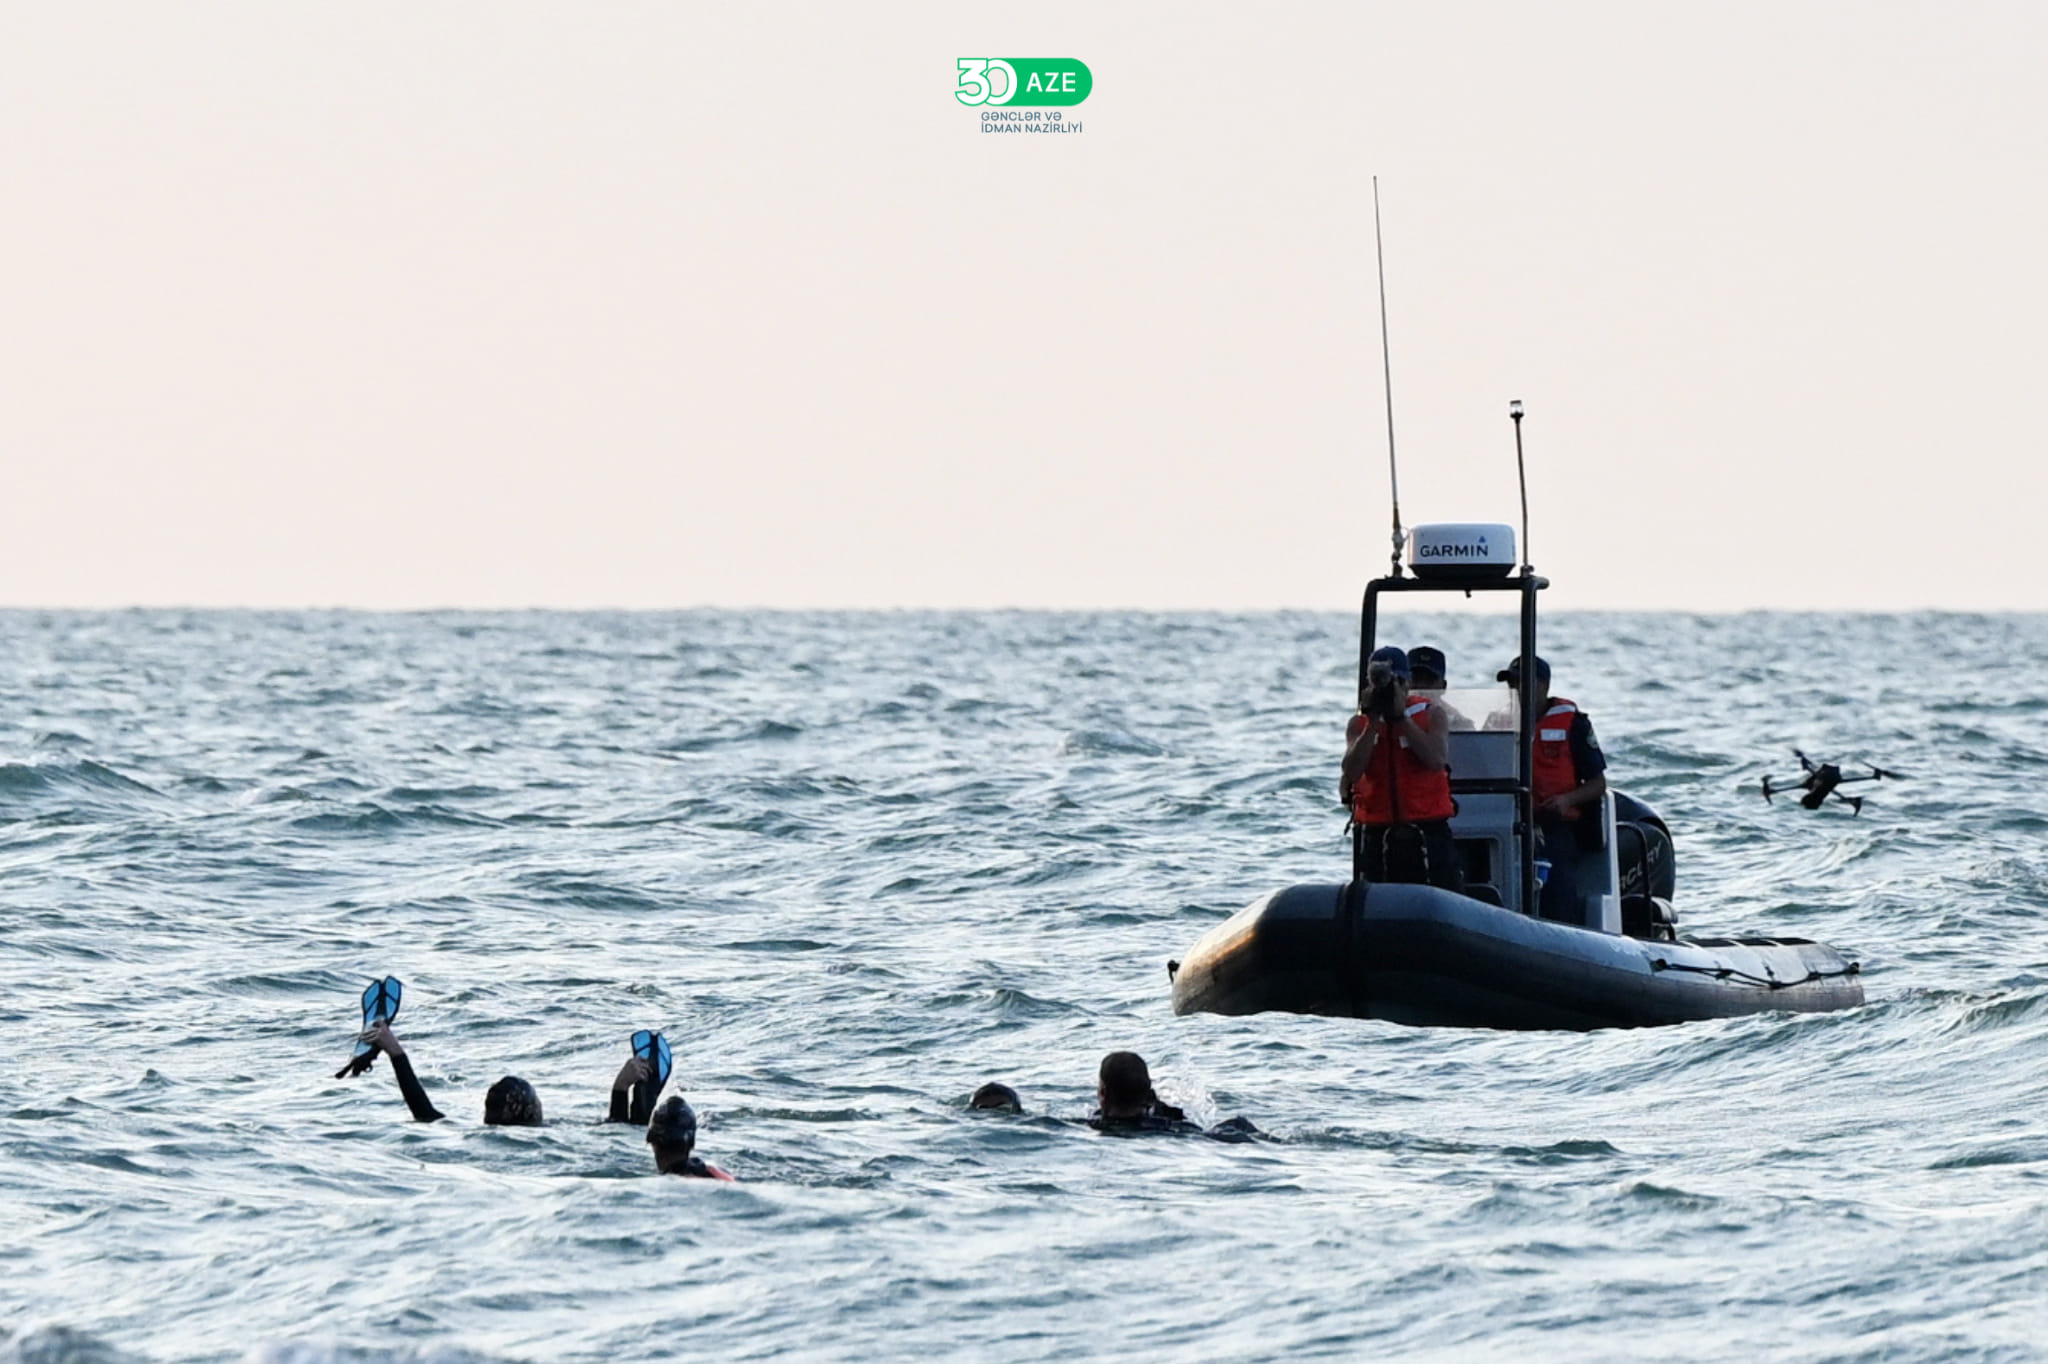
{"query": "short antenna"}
[(1522, 477), (1387, 371)]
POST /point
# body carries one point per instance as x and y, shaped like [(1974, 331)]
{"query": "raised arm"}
[(632, 1097), (381, 1038)]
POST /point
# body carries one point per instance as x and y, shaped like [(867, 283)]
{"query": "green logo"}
[(1022, 82)]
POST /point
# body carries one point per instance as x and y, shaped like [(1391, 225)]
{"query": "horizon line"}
[(870, 610)]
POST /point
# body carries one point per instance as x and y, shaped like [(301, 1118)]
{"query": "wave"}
[(372, 818), (303, 1352), (59, 1345), (761, 731), (1106, 743), (581, 891), (30, 780)]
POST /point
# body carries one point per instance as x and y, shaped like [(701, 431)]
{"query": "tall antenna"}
[(1521, 477), (1387, 370)]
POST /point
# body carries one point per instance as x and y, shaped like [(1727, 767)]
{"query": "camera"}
[(1381, 699)]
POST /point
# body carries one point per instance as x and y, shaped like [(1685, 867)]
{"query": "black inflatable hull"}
[(1426, 957)]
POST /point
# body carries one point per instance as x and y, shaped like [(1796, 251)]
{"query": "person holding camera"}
[(1397, 781)]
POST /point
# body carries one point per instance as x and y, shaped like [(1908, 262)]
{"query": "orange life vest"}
[(1553, 772), (1425, 795)]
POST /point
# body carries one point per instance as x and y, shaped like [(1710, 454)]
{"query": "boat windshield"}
[(1492, 707)]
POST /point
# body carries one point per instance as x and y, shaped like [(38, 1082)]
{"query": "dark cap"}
[(511, 1103), (1126, 1079), (1425, 656), (997, 1096), (1512, 674), (673, 1124), (1395, 659)]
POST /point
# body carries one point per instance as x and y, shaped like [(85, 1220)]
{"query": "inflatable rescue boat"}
[(1604, 954)]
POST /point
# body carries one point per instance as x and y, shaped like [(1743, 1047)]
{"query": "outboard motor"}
[(1649, 872)]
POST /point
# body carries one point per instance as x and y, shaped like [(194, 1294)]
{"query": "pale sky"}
[(510, 304)]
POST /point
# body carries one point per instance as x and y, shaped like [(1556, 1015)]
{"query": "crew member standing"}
[(1397, 782), (1569, 776)]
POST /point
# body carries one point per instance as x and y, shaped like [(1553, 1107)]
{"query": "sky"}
[(666, 305)]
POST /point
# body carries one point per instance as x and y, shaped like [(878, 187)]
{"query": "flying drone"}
[(1820, 780)]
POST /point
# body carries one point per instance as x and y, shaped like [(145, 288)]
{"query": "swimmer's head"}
[(1124, 1086), (512, 1103), (1002, 1098), (672, 1132)]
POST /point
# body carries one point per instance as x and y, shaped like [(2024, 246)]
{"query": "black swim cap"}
[(673, 1124), (997, 1096), (512, 1103), (1125, 1079)]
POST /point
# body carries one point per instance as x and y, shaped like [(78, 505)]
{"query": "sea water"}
[(856, 864)]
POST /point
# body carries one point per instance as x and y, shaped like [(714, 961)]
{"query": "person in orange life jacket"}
[(1569, 775), (1397, 782)]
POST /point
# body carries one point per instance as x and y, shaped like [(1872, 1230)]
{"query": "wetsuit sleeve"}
[(633, 1104), (1587, 759), (416, 1099)]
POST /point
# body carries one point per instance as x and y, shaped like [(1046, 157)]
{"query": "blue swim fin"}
[(381, 999), (653, 1048)]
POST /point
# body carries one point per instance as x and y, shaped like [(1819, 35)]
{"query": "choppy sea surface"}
[(856, 864)]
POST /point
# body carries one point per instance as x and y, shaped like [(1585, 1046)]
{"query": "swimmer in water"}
[(509, 1103), (672, 1132), (996, 1098), (1128, 1103)]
